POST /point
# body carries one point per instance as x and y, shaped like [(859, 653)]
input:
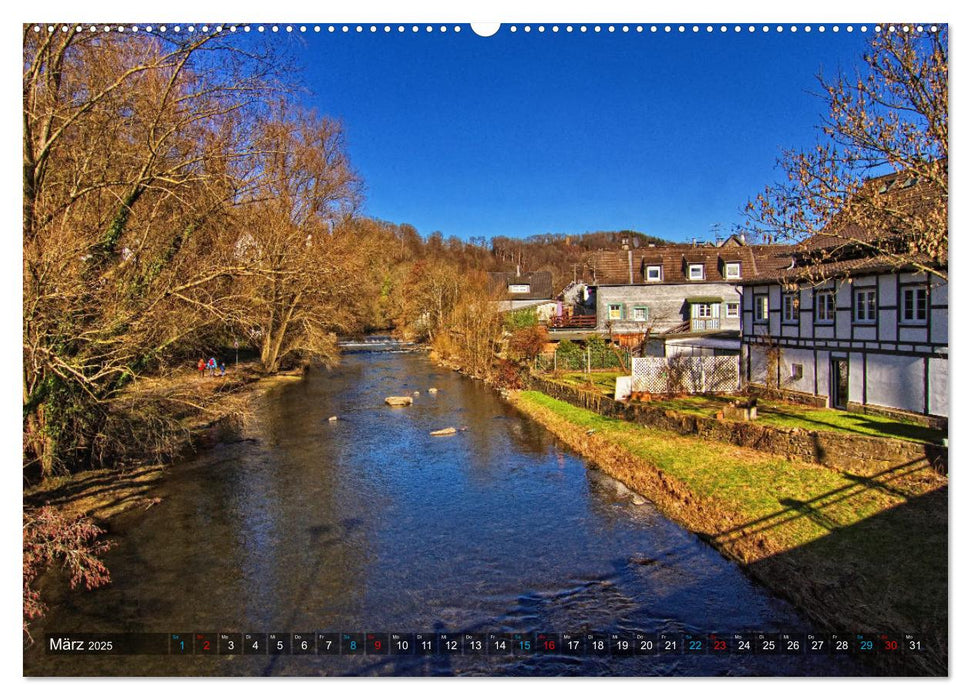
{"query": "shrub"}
[(527, 342), (569, 355), (523, 318), (509, 375), (52, 538)]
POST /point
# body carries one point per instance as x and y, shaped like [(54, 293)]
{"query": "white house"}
[(677, 288), (860, 331)]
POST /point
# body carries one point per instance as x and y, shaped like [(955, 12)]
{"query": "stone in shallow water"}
[(444, 431), (399, 400)]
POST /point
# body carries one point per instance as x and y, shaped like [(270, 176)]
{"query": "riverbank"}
[(220, 405), (863, 554)]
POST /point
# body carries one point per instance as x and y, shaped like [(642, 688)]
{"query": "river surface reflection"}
[(369, 524)]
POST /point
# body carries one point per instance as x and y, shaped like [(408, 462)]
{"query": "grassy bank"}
[(856, 554), (778, 414)]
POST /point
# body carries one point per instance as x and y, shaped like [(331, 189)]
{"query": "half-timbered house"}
[(847, 326)]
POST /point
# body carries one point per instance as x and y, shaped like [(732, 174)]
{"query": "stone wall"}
[(855, 454)]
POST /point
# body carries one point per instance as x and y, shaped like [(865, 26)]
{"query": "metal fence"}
[(584, 360), (685, 375)]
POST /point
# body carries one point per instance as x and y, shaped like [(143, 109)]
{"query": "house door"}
[(839, 379)]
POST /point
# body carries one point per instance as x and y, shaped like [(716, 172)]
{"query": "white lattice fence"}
[(684, 374)]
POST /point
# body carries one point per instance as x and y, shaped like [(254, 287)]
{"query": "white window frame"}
[(869, 305), (635, 311), (737, 267), (790, 311), (696, 267), (728, 309), (760, 310), (649, 270), (910, 309), (826, 311)]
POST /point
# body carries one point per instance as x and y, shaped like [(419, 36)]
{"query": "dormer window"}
[(733, 270), (696, 271), (653, 273)]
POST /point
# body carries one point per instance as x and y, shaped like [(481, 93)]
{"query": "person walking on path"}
[(201, 366), (222, 369), (211, 365)]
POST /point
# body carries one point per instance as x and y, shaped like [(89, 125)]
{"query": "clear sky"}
[(526, 133)]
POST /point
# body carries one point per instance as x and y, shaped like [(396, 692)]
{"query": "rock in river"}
[(444, 431), (399, 400)]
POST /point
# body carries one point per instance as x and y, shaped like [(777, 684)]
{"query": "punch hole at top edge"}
[(485, 29)]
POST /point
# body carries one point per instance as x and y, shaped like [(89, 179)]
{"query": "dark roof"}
[(837, 269), (613, 267), (540, 284), (844, 248)]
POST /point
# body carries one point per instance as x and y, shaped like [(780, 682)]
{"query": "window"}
[(913, 305), (615, 312), (761, 308), (790, 308), (706, 310), (519, 289), (653, 273), (696, 271), (733, 270), (825, 307), (865, 306), (795, 371), (731, 309), (640, 313)]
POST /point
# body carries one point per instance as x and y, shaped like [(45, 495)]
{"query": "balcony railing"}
[(705, 324), (572, 322)]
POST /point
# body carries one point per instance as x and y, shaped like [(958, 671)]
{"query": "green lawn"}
[(754, 482), (602, 381), (779, 414), (788, 415), (864, 551)]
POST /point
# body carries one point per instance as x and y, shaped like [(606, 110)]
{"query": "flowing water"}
[(369, 524)]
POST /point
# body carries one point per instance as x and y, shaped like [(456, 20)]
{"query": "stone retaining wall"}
[(855, 454)]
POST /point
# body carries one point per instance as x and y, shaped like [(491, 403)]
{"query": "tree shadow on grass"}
[(886, 573)]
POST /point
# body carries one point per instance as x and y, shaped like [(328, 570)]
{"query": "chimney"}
[(694, 242), (630, 265)]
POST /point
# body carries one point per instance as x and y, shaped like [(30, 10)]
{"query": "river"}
[(369, 524)]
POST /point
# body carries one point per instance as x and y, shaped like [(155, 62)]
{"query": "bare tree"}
[(305, 253), (891, 116), (131, 150)]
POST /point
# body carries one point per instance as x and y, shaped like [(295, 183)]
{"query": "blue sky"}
[(519, 134)]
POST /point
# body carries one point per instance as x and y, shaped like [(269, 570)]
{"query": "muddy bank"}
[(104, 493)]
